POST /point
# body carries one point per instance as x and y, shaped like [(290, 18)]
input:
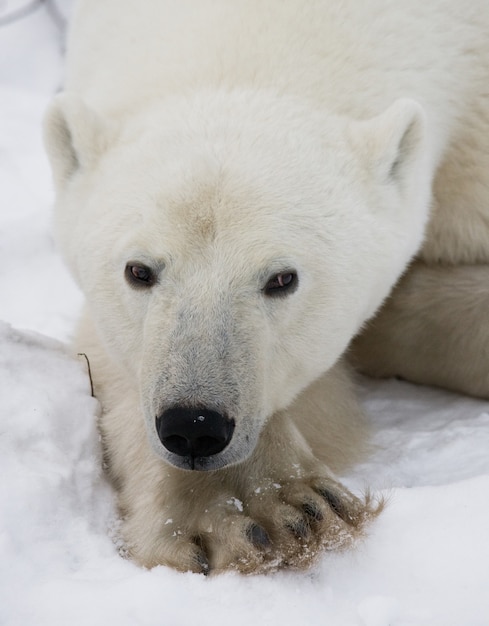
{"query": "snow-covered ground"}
[(425, 561)]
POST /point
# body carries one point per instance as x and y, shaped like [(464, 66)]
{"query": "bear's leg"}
[(433, 329)]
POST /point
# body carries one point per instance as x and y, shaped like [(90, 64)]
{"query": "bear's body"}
[(240, 185)]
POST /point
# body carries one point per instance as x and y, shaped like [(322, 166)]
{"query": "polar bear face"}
[(230, 246)]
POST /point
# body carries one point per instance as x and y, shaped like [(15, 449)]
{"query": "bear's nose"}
[(194, 432)]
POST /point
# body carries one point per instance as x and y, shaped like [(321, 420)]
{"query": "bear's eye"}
[(139, 275), (281, 284)]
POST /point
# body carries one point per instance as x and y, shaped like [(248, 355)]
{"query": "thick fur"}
[(221, 143)]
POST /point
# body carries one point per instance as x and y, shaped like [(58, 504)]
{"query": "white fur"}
[(219, 143)]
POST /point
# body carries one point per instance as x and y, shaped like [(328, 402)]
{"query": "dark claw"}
[(313, 511), (299, 529), (336, 504), (258, 536), (203, 564), (200, 557)]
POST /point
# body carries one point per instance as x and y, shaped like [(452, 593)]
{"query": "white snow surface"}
[(425, 561)]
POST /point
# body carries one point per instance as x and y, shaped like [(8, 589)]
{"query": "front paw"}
[(223, 521), (302, 517), (204, 529)]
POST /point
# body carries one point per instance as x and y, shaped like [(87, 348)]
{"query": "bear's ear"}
[(74, 136), (391, 144)]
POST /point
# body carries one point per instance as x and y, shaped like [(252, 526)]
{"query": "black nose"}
[(194, 432)]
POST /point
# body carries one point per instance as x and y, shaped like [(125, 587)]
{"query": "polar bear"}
[(240, 186)]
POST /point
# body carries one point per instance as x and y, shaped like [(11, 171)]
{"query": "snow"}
[(425, 561)]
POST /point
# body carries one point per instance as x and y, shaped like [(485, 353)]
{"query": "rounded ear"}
[(74, 136), (391, 144)]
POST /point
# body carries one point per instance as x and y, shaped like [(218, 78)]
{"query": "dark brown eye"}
[(138, 275), (281, 284)]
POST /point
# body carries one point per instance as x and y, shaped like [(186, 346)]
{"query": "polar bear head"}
[(230, 245)]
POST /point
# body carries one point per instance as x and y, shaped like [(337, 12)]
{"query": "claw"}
[(203, 563), (300, 529), (200, 557), (258, 536), (336, 505), (313, 511)]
